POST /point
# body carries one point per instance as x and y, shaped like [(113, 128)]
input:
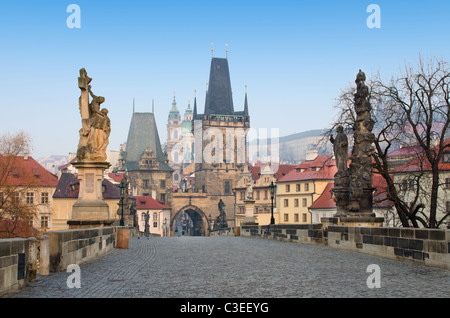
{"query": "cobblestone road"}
[(230, 267)]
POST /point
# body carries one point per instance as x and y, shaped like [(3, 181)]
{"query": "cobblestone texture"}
[(228, 267)]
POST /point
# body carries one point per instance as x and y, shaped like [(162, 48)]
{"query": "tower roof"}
[(143, 133), (174, 112), (219, 99)]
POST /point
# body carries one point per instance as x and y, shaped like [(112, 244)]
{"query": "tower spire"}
[(133, 105), (153, 106), (245, 102)]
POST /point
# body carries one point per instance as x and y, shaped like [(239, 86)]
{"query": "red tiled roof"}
[(305, 170), (405, 151), (148, 203), (26, 172), (116, 176), (420, 162), (281, 170), (325, 201)]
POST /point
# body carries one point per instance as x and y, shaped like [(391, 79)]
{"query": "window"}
[(242, 193), (286, 202), (447, 207), (288, 188), (162, 184), (306, 187), (162, 197), (296, 217), (155, 216), (175, 177), (145, 183), (297, 188), (44, 221), (44, 197), (286, 217), (30, 198), (15, 198), (155, 224), (1, 198), (447, 183), (266, 194), (304, 202), (257, 194), (227, 187), (446, 157), (296, 202), (304, 217)]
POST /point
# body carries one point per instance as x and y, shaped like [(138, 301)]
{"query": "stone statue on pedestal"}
[(221, 220)]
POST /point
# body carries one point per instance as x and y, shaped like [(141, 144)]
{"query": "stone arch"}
[(198, 217)]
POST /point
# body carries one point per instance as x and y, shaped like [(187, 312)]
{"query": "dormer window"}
[(446, 157)]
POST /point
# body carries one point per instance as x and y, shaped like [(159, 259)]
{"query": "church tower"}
[(173, 138)]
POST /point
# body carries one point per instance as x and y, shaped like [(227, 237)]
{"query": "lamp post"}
[(165, 226), (272, 188), (134, 213), (122, 187)]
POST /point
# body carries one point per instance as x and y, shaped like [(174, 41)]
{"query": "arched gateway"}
[(198, 217)]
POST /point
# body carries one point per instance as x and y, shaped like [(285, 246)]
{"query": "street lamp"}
[(165, 226), (272, 188), (122, 187), (134, 213)]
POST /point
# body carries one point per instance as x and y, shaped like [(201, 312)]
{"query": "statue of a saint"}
[(96, 125), (340, 147), (249, 191)]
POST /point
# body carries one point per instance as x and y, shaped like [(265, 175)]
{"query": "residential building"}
[(30, 186), (158, 214), (302, 186), (261, 176), (414, 180)]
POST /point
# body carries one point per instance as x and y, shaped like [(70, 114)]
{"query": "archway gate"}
[(201, 224)]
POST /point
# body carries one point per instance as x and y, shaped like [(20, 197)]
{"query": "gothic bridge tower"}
[(219, 152)]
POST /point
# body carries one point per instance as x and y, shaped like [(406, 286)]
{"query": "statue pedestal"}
[(90, 210), (249, 218)]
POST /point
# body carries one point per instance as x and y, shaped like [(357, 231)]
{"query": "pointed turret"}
[(245, 103), (219, 99)]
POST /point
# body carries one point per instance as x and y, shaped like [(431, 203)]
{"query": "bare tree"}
[(14, 181), (412, 109)]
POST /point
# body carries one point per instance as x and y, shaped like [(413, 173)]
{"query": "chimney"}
[(25, 156), (311, 155)]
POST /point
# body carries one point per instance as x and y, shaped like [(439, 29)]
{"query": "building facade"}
[(26, 191), (302, 186)]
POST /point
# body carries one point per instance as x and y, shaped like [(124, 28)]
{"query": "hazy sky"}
[(295, 57)]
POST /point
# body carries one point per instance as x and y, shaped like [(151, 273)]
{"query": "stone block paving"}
[(237, 267)]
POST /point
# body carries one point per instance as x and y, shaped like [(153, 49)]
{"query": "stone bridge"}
[(262, 262)]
